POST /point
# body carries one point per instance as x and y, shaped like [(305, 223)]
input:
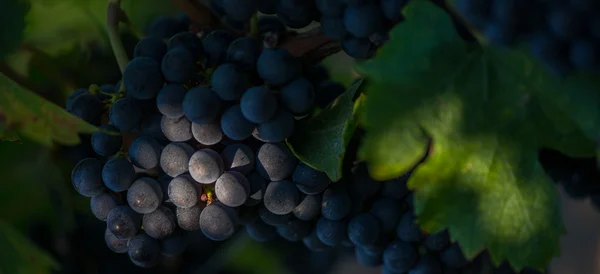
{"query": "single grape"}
[(366, 258), (143, 250), (189, 218), (408, 230), (144, 152), (258, 104), (87, 107), (336, 203), (309, 208), (275, 161), (201, 105), (184, 191), (277, 66), (239, 10), (175, 158), (313, 243), (358, 48), (331, 232), (363, 20), (151, 127), (103, 203), (395, 188), (106, 144), (294, 230), (125, 114), (297, 14), (278, 128), (113, 243), (273, 219), (244, 52), (176, 130), (164, 27), (228, 82), (386, 211), (234, 125), (281, 197), (144, 195), (170, 100), (298, 96), (310, 180), (76, 93), (232, 189), (453, 256), (174, 244), (159, 223), (178, 66), (218, 222), (364, 229), (207, 134), (189, 41), (143, 78), (438, 241), (123, 222), (238, 157), (400, 256), (152, 47), (215, 45), (261, 231), (118, 174), (87, 177)]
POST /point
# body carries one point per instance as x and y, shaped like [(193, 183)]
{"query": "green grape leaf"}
[(32, 117), (486, 111), (18, 255), (320, 141)]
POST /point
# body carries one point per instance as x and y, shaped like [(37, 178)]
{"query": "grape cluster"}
[(564, 35), (360, 25), (203, 120)]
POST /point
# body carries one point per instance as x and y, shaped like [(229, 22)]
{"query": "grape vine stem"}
[(115, 15)]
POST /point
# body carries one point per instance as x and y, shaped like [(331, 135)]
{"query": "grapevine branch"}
[(115, 15), (312, 45)]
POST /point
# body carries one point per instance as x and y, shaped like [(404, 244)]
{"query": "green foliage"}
[(487, 111), (18, 255), (249, 256), (321, 140), (32, 117), (13, 20)]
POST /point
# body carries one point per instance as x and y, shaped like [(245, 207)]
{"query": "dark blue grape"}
[(201, 105), (298, 96), (175, 158), (125, 114), (244, 53), (206, 166), (395, 188), (215, 45), (189, 218), (366, 258), (500, 34), (159, 223), (142, 78), (297, 14), (174, 244), (87, 107), (258, 185), (238, 157), (113, 243), (281, 197), (585, 54), (273, 219), (277, 66), (72, 96), (565, 23), (258, 104), (178, 66), (364, 229), (309, 180), (386, 211), (232, 189), (408, 230), (103, 203), (170, 100), (105, 144), (428, 264), (144, 195), (218, 222), (453, 256), (392, 9), (87, 177), (234, 124), (123, 222), (278, 128), (261, 231), (359, 48), (326, 92), (336, 203), (239, 10), (331, 8), (184, 191), (143, 250), (331, 232), (176, 130), (152, 47), (144, 152), (275, 161), (164, 27), (438, 241), (229, 82), (309, 208), (207, 134), (189, 41), (400, 256), (333, 27), (294, 230), (550, 51), (118, 174), (313, 243), (151, 127), (364, 20)]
